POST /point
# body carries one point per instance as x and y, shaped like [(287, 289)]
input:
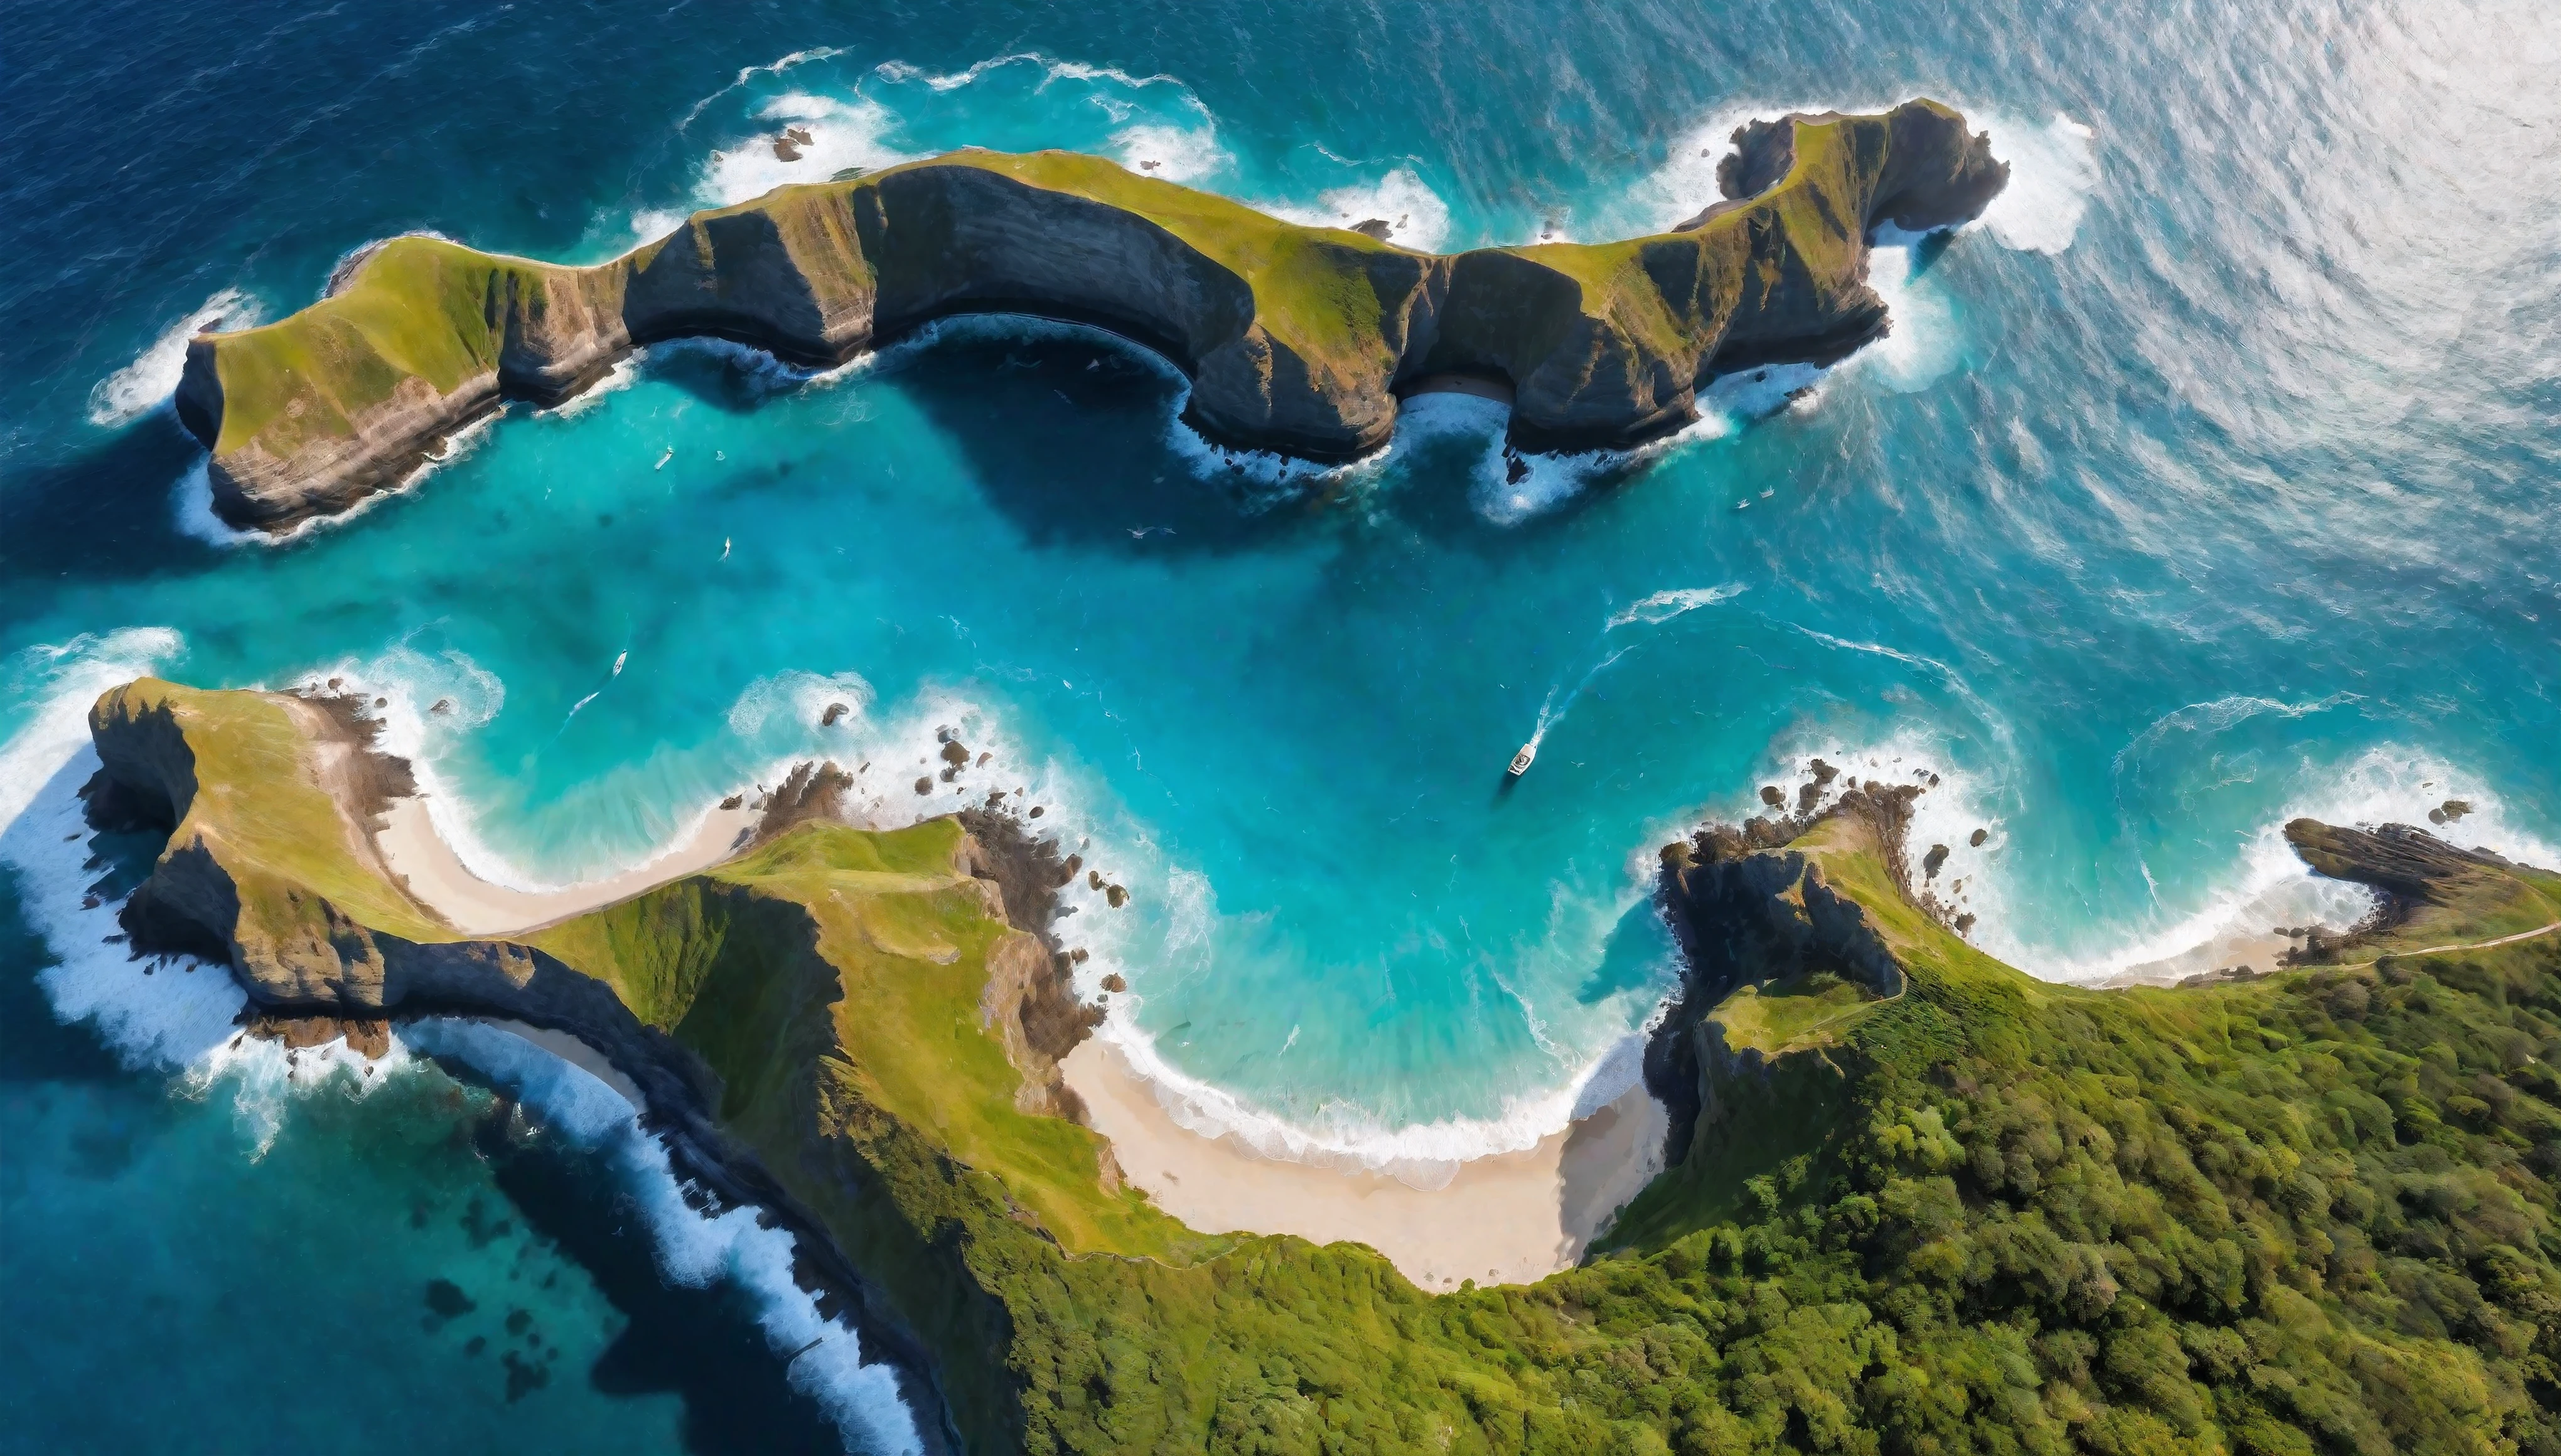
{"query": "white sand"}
[(413, 851), (1505, 1219), (1508, 1219)]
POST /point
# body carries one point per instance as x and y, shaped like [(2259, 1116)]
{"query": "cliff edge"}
[(1297, 339)]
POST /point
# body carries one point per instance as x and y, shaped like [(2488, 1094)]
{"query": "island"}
[(1297, 339), (1917, 1199)]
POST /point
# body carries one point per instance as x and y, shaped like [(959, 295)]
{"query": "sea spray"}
[(152, 378), (694, 1247)]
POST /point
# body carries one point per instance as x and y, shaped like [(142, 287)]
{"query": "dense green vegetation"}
[(2311, 1211)]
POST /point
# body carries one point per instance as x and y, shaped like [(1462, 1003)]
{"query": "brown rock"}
[(1373, 228), (1977, 837), (1094, 880), (733, 801), (924, 785), (1823, 772), (1930, 862), (1118, 896), (1116, 983), (1036, 812), (955, 754), (835, 711), (1077, 955), (1774, 796)]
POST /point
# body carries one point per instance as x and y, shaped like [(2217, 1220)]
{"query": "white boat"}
[(1521, 760)]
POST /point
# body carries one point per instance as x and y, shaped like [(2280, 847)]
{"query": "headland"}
[(1297, 339)]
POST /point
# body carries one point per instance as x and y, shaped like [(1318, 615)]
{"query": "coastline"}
[(418, 857), (1507, 1218)]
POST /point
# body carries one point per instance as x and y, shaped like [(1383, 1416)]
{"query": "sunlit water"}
[(2207, 482)]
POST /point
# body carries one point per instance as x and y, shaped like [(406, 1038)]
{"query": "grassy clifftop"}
[(1928, 1204), (1296, 338)]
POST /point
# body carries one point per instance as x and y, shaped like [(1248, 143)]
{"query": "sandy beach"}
[(413, 851), (1503, 1220)]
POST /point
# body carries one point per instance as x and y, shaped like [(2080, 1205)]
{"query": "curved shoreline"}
[(1295, 339), (1529, 1211)]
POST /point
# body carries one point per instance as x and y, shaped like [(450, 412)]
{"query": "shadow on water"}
[(1066, 435), (106, 512), (702, 1345), (1638, 955)]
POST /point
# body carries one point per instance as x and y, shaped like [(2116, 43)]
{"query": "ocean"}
[(2209, 480)]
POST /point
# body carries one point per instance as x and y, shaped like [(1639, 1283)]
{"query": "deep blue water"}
[(2210, 481)]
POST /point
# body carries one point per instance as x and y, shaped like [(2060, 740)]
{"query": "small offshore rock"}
[(1118, 896), (924, 785), (1774, 796), (1822, 773), (1930, 862), (1373, 228), (1977, 837), (1078, 956), (1116, 983), (983, 758), (835, 711), (955, 754), (1807, 796), (733, 801), (1036, 812), (1094, 880), (443, 705), (1965, 925), (785, 149)]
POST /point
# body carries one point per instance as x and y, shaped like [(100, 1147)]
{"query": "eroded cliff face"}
[(1297, 339), (1755, 904), (720, 995)]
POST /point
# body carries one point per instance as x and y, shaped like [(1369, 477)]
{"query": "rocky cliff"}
[(1927, 1202), (1297, 339)]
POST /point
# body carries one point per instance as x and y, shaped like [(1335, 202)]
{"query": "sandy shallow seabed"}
[(1503, 1220), (1509, 1219)]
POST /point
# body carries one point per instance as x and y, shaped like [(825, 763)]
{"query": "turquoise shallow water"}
[(2207, 482)]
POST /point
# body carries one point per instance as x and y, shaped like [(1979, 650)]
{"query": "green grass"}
[(2316, 1213), (290, 850), (427, 315)]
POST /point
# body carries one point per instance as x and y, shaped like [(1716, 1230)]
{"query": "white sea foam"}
[(1415, 214), (1171, 153), (2268, 884), (170, 1013), (2053, 170), (623, 375), (694, 1249), (147, 382), (1424, 1156), (192, 510), (1662, 606), (177, 1016)]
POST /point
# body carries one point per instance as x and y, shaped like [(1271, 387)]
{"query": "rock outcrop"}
[(1297, 339), (269, 868)]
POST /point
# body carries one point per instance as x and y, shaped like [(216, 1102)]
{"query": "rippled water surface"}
[(2208, 481)]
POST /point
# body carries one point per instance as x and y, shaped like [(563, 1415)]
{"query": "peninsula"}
[(1295, 339), (1917, 1199)]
